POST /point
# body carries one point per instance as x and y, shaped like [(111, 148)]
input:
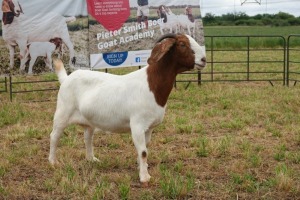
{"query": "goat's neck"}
[(161, 79)]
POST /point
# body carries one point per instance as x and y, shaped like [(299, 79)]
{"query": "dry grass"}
[(217, 141)]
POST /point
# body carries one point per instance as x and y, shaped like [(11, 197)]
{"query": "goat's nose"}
[(203, 60)]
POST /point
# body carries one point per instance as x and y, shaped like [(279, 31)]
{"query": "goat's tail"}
[(60, 70), (70, 19)]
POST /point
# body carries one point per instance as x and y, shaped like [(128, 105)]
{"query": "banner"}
[(34, 31), (123, 32), (89, 34)]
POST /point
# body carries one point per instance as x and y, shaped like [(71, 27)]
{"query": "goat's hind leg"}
[(58, 128), (88, 140), (54, 138)]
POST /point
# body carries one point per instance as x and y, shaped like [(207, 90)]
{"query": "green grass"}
[(242, 140), (241, 42), (217, 141)]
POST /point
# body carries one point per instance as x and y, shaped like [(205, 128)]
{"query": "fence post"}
[(10, 88), (248, 58), (288, 62)]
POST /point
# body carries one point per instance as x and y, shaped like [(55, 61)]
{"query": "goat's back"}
[(36, 28)]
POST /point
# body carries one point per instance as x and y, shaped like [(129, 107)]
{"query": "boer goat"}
[(45, 49), (169, 20), (18, 29), (175, 22), (136, 101)]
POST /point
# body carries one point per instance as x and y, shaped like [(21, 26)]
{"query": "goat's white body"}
[(108, 102), (36, 49), (185, 23), (171, 24), (41, 28)]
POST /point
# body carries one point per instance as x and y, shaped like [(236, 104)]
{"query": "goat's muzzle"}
[(201, 64)]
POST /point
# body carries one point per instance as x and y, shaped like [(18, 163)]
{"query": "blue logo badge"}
[(115, 58), (137, 59)]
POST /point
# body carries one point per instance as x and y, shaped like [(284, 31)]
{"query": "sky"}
[(219, 7), (216, 7)]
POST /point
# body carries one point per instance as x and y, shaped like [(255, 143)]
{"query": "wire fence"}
[(229, 59)]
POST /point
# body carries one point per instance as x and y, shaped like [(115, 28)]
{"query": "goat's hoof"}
[(93, 159), (144, 184), (145, 179), (53, 162)]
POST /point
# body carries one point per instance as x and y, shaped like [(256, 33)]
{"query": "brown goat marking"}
[(162, 13), (162, 70), (144, 154), (8, 11), (57, 41), (160, 50), (6, 7), (191, 17)]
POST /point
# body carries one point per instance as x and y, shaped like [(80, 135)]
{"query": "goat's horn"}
[(169, 35)]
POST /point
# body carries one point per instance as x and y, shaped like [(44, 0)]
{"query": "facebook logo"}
[(137, 59)]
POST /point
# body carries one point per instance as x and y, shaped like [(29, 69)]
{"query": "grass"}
[(218, 140), (241, 42)]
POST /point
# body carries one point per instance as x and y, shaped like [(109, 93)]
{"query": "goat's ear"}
[(160, 50)]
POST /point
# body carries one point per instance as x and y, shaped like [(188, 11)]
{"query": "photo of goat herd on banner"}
[(89, 34), (35, 31)]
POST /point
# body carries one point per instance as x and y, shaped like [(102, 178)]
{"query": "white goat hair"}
[(37, 49), (135, 101), (169, 20), (171, 24), (40, 28), (185, 23)]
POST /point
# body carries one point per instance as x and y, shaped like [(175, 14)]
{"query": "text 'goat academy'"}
[(124, 30)]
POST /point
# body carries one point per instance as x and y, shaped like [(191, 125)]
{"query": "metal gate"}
[(293, 59), (248, 63)]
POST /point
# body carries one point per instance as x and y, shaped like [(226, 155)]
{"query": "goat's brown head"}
[(10, 9), (179, 50), (57, 41)]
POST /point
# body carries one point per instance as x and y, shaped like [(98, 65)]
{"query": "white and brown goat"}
[(19, 29), (43, 49), (133, 102)]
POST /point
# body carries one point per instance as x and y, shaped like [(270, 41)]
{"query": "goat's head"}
[(161, 12), (57, 41), (182, 50), (12, 6)]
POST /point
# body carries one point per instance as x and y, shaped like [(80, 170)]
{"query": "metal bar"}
[(248, 58), (40, 90), (212, 58), (10, 88), (22, 82)]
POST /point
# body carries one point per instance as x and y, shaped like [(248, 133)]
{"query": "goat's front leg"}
[(148, 136), (88, 140), (11, 55), (139, 140), (31, 63)]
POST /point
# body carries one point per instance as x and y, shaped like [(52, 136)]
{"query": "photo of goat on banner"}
[(35, 31), (123, 32)]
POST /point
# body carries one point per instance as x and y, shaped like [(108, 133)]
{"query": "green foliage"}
[(242, 19)]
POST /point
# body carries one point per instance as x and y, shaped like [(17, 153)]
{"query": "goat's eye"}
[(193, 52), (181, 44)]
